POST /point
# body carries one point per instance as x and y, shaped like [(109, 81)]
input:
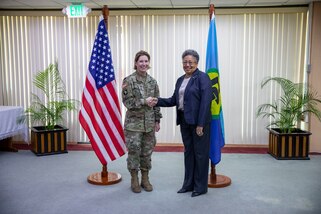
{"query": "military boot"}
[(134, 181), (145, 181)]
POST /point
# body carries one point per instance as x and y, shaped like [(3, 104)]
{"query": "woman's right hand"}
[(151, 101)]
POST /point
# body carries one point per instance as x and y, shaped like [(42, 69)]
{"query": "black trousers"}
[(196, 155)]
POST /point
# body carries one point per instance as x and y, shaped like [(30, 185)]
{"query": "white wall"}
[(252, 44)]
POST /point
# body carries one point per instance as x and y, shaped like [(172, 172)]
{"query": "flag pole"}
[(104, 177), (105, 12), (211, 11), (215, 180)]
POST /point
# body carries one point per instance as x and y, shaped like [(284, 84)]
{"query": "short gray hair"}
[(192, 53)]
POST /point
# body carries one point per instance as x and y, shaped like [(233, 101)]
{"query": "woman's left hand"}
[(199, 131)]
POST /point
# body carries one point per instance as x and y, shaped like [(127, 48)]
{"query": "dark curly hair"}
[(191, 52)]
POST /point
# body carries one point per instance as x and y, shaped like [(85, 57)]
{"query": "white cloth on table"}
[(9, 126)]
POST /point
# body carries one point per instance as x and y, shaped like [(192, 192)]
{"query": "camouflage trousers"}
[(140, 147)]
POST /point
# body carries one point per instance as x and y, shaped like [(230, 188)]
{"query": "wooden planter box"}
[(294, 146), (48, 142)]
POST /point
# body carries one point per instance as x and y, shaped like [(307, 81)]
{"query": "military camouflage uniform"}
[(140, 120)]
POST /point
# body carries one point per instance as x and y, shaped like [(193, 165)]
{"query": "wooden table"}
[(9, 127)]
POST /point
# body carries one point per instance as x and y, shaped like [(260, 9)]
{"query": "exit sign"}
[(76, 11)]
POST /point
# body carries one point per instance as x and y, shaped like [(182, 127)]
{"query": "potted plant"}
[(46, 112), (286, 139)]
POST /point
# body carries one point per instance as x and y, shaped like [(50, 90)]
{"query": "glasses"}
[(188, 63)]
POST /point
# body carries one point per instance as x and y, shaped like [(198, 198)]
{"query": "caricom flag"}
[(100, 114), (212, 69)]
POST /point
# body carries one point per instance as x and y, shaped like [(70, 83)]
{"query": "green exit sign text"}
[(76, 10)]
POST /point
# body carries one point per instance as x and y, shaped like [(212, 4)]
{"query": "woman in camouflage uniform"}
[(141, 120)]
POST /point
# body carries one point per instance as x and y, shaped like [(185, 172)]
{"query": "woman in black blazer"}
[(192, 97)]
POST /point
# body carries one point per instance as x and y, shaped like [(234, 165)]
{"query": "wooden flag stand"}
[(217, 181), (214, 180), (104, 177)]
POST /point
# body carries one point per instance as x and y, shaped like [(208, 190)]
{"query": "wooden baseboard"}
[(226, 145)]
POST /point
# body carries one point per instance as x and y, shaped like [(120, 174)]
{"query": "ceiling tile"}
[(115, 3), (231, 3), (189, 3), (152, 3), (291, 2), (11, 4)]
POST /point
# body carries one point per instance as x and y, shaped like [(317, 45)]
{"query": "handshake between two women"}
[(151, 101)]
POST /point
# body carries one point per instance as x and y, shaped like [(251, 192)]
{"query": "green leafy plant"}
[(49, 111), (297, 100)]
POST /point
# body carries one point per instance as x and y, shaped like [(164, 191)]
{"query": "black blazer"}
[(197, 99)]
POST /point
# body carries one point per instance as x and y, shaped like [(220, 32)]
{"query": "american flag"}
[(100, 114)]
